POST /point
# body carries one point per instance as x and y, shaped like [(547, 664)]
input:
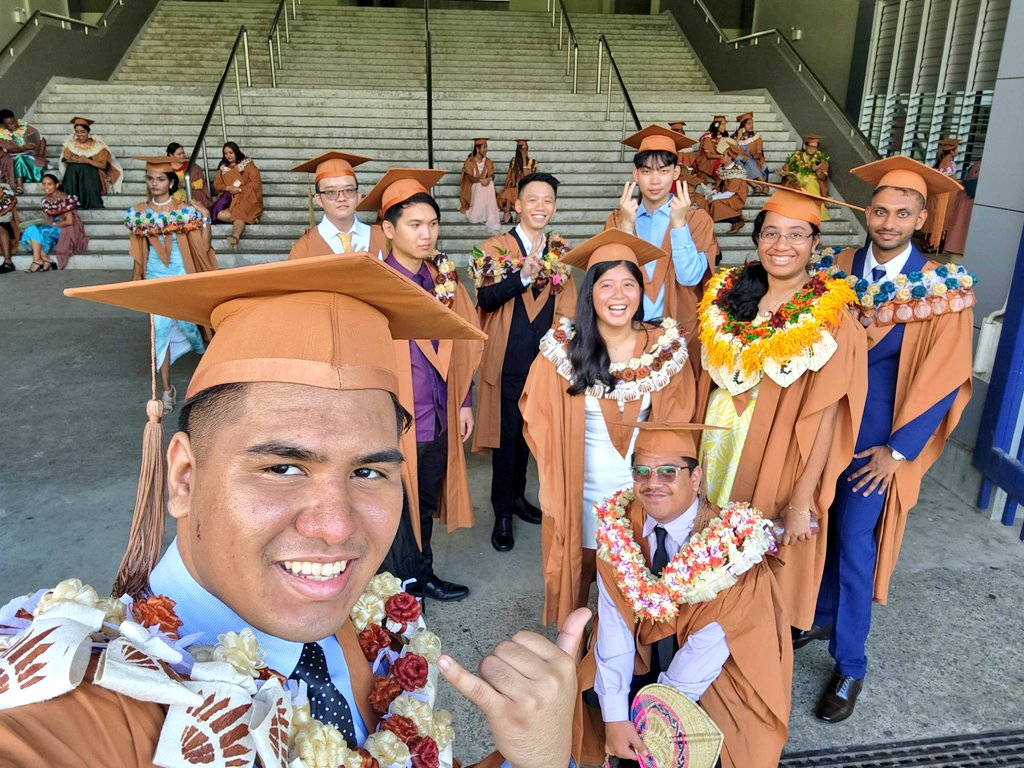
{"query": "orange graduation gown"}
[(312, 243), (497, 325), (749, 700), (935, 359), (469, 178)]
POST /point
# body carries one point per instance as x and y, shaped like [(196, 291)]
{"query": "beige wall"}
[(829, 28)]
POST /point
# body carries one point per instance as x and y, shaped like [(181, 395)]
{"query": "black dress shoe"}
[(527, 512), (839, 698), (802, 637), (445, 591), (501, 538)]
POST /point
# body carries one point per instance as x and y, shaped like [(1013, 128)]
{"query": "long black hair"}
[(587, 351), (752, 284), (239, 154), (172, 148)]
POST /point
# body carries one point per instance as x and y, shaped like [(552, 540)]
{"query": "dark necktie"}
[(326, 703), (877, 273), (665, 648)]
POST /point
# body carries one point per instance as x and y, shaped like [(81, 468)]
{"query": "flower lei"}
[(260, 714), (712, 560), (7, 200), (504, 264), (918, 295), (635, 377), (446, 280), (803, 164), (59, 207), (736, 352), (17, 135), (150, 223)]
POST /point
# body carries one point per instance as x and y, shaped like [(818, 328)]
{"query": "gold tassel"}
[(309, 199), (146, 538)]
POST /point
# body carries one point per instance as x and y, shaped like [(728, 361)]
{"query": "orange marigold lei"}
[(799, 324)]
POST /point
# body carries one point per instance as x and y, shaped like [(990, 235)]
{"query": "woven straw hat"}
[(677, 732)]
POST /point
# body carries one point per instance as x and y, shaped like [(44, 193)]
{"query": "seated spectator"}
[(62, 237), (519, 167), (89, 169), (807, 169), (22, 152), (477, 198), (9, 232), (200, 191), (731, 195), (241, 191), (708, 159), (751, 151)]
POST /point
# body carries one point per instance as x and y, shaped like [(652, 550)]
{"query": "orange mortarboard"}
[(745, 116), (796, 203), (949, 143), (719, 119), (656, 138), (906, 173), (525, 141), (666, 439), (279, 322), (480, 138), (397, 186), (158, 163), (332, 165), (812, 137), (612, 245), (81, 121), (677, 122)]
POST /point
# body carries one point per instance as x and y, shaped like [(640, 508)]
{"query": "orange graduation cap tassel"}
[(146, 538)]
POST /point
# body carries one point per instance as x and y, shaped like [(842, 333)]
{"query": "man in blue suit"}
[(919, 322)]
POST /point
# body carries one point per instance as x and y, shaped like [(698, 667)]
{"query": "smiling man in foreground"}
[(252, 636)]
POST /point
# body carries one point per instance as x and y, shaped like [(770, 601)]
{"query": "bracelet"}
[(804, 512)]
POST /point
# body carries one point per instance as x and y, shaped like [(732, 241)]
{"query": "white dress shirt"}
[(892, 267), (360, 236), (527, 244), (696, 664)]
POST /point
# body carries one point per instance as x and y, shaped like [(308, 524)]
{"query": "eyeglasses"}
[(770, 236), (334, 194), (667, 473)]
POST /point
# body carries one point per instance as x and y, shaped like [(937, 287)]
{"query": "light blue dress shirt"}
[(202, 612), (689, 263)]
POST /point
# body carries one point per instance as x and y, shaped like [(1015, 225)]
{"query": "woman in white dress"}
[(477, 198), (594, 375)]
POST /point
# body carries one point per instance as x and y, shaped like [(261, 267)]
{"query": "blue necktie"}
[(326, 703), (877, 273)]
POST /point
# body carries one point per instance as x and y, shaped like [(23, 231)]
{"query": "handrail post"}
[(224, 123), (575, 68), (238, 83), (600, 55), (248, 70), (294, 10), (280, 58), (560, 19), (622, 147), (287, 34), (206, 164), (568, 51), (273, 69), (608, 109), (430, 83), (554, 9)]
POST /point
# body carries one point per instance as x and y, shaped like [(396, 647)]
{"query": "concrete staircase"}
[(353, 79)]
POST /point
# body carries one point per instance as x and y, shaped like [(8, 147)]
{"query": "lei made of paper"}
[(224, 706), (59, 207), (915, 296), (503, 263), (711, 561), (447, 279), (635, 377), (150, 223), (736, 352)]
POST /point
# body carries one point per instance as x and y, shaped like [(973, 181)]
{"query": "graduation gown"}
[(749, 700), (194, 253), (929, 388), (469, 178), (312, 243), (498, 326), (554, 428), (247, 205), (730, 207)]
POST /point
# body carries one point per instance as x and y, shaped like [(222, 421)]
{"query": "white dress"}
[(604, 470)]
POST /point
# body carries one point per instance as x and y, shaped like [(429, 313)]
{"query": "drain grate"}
[(998, 749)]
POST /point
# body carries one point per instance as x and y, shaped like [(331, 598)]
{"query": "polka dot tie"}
[(326, 702)]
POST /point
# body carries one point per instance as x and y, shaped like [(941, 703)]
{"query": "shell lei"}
[(712, 560), (796, 339), (913, 297), (150, 223), (634, 378), (503, 264), (224, 706), (56, 208)]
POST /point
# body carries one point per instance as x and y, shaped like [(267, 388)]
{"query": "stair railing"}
[(429, 67), (572, 54), (217, 105), (275, 35), (627, 103), (12, 48)]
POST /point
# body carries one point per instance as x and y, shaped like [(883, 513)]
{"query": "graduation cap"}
[(797, 203), (158, 163), (398, 185), (656, 138), (812, 138), (81, 121), (906, 173), (680, 123), (612, 245), (275, 323), (949, 143), (330, 165), (720, 119), (744, 117), (660, 438)]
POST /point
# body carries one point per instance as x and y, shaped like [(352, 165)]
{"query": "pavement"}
[(74, 379)]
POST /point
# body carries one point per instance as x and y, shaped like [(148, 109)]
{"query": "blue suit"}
[(847, 584)]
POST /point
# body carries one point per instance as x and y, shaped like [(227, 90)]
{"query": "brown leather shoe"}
[(839, 698), (802, 637)]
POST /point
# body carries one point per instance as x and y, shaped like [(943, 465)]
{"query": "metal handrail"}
[(275, 32), (37, 16), (627, 103), (217, 102), (429, 65), (571, 54), (801, 66)]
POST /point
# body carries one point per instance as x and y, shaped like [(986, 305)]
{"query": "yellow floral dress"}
[(720, 449)]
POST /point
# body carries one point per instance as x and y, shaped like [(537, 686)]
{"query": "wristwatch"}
[(896, 455)]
